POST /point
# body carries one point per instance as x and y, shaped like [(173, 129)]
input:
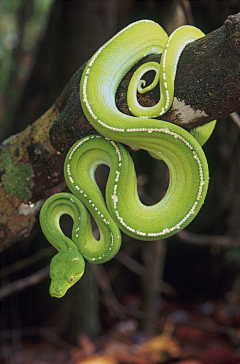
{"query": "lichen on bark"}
[(17, 180)]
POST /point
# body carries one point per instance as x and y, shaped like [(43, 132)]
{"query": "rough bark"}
[(207, 87)]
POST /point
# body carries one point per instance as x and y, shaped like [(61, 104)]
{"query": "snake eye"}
[(71, 279)]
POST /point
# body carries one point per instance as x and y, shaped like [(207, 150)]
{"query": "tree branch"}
[(23, 283), (224, 242), (207, 87)]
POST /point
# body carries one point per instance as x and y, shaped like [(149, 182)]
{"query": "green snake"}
[(181, 151)]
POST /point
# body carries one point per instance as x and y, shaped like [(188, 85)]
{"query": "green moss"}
[(5, 158), (17, 180)]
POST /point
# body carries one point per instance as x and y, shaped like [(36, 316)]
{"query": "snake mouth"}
[(56, 295), (57, 292)]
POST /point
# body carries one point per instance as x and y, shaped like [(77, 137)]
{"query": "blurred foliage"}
[(22, 25)]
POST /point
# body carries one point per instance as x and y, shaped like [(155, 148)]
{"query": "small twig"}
[(110, 299), (114, 306), (22, 264), (131, 263), (220, 241), (21, 284), (236, 118), (187, 11), (43, 332)]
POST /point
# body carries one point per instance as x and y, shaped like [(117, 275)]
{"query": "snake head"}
[(66, 268)]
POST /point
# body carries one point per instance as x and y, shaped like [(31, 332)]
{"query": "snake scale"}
[(179, 149)]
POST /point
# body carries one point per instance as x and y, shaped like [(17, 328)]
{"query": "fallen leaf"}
[(98, 359)]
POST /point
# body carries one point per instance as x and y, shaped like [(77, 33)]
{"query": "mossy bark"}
[(207, 87)]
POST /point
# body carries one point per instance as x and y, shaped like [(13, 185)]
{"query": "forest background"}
[(42, 44)]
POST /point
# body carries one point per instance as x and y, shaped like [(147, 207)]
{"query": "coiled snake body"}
[(181, 151)]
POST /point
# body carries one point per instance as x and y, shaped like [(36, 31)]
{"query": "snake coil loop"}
[(181, 151)]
